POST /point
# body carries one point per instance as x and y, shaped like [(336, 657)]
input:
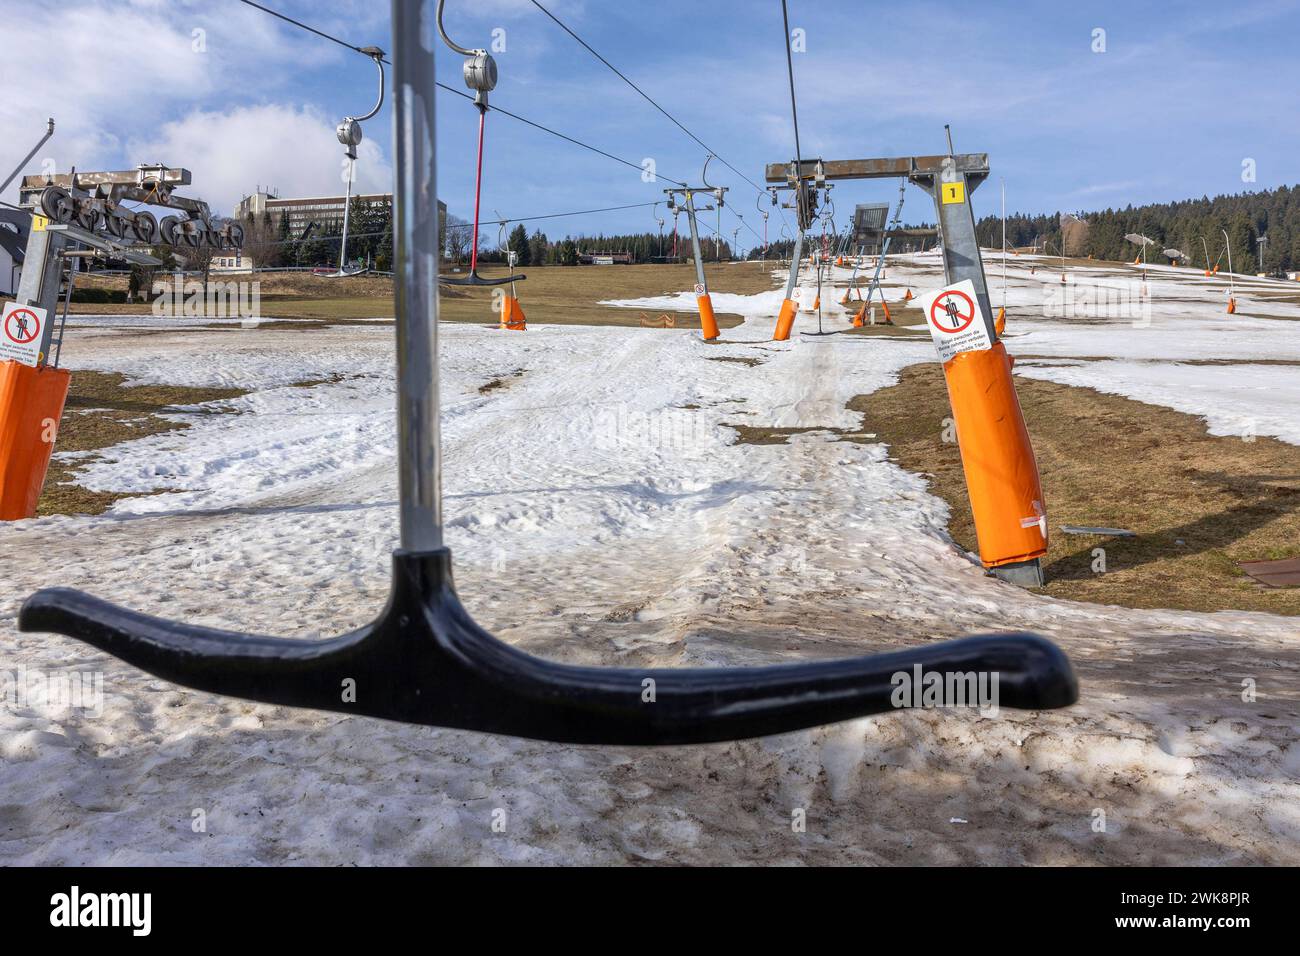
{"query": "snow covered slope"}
[(600, 511)]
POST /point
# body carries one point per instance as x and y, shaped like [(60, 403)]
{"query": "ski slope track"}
[(601, 512)]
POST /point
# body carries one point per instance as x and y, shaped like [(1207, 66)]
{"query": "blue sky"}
[(1182, 95)]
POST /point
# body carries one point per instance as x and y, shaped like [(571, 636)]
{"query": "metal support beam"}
[(39, 285), (950, 186), (910, 166)]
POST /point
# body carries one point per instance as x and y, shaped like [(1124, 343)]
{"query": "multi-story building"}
[(325, 211)]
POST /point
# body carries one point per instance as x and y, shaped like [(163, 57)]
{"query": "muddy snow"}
[(600, 511)]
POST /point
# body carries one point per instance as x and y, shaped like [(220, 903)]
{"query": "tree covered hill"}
[(1182, 225)]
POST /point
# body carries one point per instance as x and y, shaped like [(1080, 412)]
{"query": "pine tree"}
[(518, 244)]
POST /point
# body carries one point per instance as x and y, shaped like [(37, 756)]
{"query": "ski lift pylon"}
[(425, 661)]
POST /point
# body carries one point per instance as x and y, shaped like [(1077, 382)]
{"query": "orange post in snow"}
[(785, 318), (31, 404), (784, 321), (512, 314), (1006, 496), (708, 324)]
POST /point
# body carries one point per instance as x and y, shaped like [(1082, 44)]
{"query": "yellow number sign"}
[(954, 192)]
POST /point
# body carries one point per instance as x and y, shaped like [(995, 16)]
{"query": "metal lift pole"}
[(793, 279), (950, 186), (695, 244), (49, 131)]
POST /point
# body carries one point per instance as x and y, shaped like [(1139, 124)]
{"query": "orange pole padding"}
[(845, 300), (784, 321), (512, 315), (1006, 496), (1000, 323), (885, 305), (31, 404), (817, 303), (1232, 306), (708, 324), (907, 297)]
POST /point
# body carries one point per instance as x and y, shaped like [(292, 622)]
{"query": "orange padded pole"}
[(784, 321), (512, 314), (1006, 496), (708, 324), (31, 404)]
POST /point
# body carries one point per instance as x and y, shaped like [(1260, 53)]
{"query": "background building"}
[(14, 224), (325, 211)]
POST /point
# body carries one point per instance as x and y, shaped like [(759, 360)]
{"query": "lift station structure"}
[(1002, 479)]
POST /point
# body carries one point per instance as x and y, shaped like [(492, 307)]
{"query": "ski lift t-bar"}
[(425, 661)]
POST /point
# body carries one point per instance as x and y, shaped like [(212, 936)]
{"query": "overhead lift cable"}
[(651, 100), (450, 89)]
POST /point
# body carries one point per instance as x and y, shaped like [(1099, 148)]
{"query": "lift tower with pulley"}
[(1002, 480), (708, 324), (424, 660), (804, 203), (75, 217)]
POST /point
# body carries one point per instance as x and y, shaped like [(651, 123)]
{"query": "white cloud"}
[(110, 73), (233, 151)]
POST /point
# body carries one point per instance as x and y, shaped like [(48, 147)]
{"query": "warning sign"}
[(953, 192), (957, 323), (21, 341), (699, 288)]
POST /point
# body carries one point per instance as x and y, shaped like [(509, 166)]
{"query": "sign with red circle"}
[(23, 336), (952, 311), (22, 326), (956, 320)]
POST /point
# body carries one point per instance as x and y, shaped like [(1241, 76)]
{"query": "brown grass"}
[(101, 412), (1198, 503), (563, 295)]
